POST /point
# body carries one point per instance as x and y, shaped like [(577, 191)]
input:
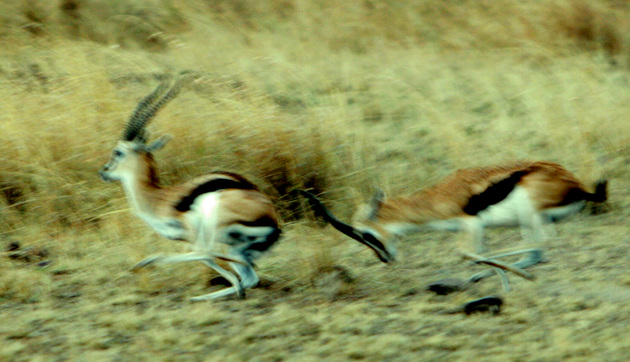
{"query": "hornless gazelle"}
[(223, 215), (525, 194)]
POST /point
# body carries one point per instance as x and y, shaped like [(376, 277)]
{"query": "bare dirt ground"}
[(575, 309)]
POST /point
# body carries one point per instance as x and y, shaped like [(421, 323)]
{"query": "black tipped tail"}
[(368, 240), (601, 192)]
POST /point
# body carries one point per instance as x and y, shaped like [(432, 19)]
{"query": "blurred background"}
[(336, 96)]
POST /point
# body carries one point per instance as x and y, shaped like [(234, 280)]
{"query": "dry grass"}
[(336, 96)]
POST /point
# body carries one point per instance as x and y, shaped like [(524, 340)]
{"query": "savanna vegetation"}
[(335, 96)]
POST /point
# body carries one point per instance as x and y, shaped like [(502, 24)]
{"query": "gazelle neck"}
[(416, 210), (142, 190)]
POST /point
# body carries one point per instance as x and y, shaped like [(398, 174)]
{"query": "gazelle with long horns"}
[(223, 215), (525, 194)]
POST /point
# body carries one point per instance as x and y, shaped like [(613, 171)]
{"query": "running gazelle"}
[(222, 215), (525, 194)]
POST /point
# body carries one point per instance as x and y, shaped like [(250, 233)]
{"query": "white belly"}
[(518, 206), (204, 217), (509, 211)]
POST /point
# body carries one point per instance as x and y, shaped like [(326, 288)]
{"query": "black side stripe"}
[(267, 243), (494, 194), (211, 186), (264, 221)]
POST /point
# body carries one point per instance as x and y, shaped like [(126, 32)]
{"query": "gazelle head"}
[(367, 223), (367, 230), (132, 152)]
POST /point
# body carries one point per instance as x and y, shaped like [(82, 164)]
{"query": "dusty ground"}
[(575, 309), (330, 97)]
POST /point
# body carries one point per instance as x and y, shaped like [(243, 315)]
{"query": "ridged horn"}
[(346, 229), (136, 122), (148, 107)]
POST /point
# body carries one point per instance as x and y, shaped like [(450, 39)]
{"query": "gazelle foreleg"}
[(533, 236), (249, 278), (475, 227), (168, 259), (179, 258), (236, 287), (531, 226)]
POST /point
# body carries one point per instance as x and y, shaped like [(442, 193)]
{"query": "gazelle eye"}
[(117, 153)]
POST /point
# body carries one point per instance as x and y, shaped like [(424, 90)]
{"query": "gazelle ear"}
[(376, 202), (142, 137), (159, 143)]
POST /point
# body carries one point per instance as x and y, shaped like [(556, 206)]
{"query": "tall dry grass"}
[(299, 94), (335, 96)]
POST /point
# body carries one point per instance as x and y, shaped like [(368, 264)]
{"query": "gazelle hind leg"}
[(249, 278), (215, 295), (236, 287), (533, 235)]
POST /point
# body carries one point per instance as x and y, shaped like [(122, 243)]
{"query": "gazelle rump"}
[(522, 193), (221, 214)]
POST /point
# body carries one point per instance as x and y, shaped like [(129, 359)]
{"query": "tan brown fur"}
[(216, 212), (521, 193), (547, 182), (213, 230), (246, 206)]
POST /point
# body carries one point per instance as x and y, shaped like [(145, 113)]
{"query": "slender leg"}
[(249, 278), (205, 242), (475, 228), (236, 284), (168, 259), (511, 253), (504, 279), (533, 235), (215, 295), (498, 266)]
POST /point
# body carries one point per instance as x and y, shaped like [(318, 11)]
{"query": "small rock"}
[(13, 246), (448, 285), (486, 304), (20, 255)]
